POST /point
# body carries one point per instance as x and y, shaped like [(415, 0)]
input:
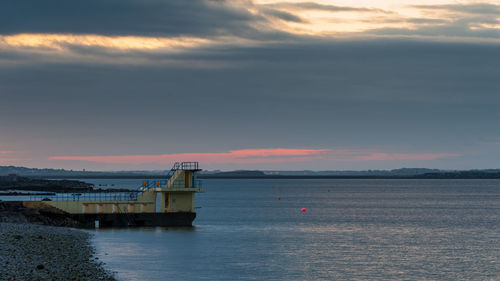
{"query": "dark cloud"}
[(282, 15), (390, 94), (124, 17), (201, 18), (209, 18)]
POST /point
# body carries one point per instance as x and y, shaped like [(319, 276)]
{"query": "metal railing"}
[(185, 166), (196, 184), (125, 196), (161, 183), (106, 196), (153, 183), (189, 166), (101, 196)]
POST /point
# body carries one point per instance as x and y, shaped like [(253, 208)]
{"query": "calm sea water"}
[(360, 230)]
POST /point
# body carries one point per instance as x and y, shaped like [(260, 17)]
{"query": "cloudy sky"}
[(263, 84)]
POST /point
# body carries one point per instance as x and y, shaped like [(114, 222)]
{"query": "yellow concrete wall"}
[(148, 197), (90, 208), (42, 206), (181, 202), (177, 179), (178, 201), (72, 207), (121, 208), (107, 208), (103, 207)]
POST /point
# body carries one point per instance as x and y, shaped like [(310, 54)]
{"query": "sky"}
[(242, 84)]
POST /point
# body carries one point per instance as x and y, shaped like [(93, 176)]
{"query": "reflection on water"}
[(362, 229)]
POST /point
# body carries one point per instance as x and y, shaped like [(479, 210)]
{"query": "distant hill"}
[(35, 172), (236, 174), (402, 173), (62, 173), (395, 172), (473, 174)]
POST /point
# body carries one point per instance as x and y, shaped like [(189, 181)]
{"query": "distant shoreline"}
[(400, 173), (424, 176)]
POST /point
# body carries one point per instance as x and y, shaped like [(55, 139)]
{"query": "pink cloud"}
[(13, 159), (243, 156), (7, 151), (400, 156), (264, 155)]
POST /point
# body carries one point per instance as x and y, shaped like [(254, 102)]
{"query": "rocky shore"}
[(16, 212), (36, 252), (11, 185), (15, 182)]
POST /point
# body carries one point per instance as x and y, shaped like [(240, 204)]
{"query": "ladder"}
[(152, 184), (130, 218)]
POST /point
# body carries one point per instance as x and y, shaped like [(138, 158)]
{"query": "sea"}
[(318, 229)]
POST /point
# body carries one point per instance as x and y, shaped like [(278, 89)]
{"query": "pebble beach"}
[(37, 252)]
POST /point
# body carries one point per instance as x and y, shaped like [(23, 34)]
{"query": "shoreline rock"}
[(16, 212), (24, 183), (36, 252), (26, 193)]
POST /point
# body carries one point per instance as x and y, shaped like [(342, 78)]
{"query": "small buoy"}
[(303, 209), (279, 198), (328, 190)]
